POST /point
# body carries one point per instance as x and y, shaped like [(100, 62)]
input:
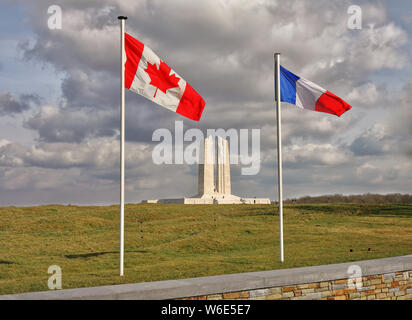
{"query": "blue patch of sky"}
[(400, 12), (18, 75)]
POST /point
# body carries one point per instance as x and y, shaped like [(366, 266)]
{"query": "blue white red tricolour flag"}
[(308, 95)]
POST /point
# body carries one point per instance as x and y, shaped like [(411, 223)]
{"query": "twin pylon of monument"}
[(211, 190), (214, 188), (212, 156)]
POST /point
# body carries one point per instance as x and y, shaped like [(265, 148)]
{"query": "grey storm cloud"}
[(224, 49), (10, 105), (375, 141), (57, 125)]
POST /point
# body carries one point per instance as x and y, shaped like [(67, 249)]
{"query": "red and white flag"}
[(149, 76)]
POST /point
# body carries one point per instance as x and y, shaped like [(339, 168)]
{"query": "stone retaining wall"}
[(390, 286)]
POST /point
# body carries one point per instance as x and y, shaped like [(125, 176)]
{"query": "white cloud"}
[(369, 95), (377, 48), (312, 154), (98, 153)]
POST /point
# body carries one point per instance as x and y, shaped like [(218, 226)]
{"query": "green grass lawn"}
[(183, 241)]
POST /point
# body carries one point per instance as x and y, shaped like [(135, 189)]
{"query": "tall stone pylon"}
[(206, 183), (223, 167), (208, 191)]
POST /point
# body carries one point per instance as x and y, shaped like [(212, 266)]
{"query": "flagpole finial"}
[(122, 17)]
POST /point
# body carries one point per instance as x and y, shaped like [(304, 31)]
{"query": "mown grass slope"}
[(181, 241)]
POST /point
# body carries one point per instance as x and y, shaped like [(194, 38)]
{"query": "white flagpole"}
[(122, 111), (278, 115)]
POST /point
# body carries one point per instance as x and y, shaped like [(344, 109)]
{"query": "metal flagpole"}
[(122, 111), (278, 115)]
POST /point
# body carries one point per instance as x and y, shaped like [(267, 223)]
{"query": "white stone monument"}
[(210, 192)]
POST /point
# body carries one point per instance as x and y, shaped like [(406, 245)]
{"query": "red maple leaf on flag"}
[(161, 78)]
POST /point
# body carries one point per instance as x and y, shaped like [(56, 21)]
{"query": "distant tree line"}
[(361, 198)]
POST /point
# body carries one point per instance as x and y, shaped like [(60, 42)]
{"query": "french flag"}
[(307, 95)]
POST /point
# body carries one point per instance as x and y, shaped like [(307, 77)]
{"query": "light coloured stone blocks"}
[(289, 294), (275, 290), (259, 293)]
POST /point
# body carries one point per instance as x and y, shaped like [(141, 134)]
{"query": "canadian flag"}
[(149, 76)]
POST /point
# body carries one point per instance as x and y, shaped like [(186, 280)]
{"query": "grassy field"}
[(178, 241)]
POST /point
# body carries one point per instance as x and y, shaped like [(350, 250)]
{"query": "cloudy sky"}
[(59, 96)]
